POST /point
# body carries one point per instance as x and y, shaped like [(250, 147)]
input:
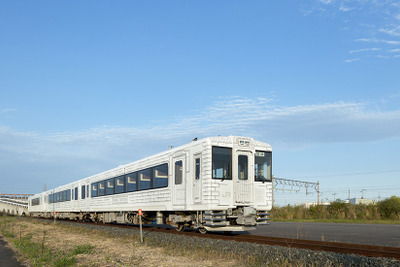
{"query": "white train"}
[(213, 184)]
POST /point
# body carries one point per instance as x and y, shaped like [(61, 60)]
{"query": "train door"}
[(76, 204), (197, 179), (179, 181), (84, 197), (242, 177)]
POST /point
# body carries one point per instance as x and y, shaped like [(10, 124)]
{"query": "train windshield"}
[(263, 166), (221, 163)]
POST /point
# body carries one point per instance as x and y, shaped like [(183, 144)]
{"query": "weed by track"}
[(38, 252)]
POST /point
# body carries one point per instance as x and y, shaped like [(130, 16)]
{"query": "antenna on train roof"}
[(195, 139)]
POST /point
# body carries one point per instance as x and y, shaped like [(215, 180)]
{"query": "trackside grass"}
[(386, 211), (43, 243), (34, 246)]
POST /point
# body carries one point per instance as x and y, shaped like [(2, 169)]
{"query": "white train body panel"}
[(197, 179)]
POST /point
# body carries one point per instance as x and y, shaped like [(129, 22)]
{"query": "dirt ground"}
[(108, 251)]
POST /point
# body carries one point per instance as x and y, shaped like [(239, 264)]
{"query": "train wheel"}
[(203, 231), (180, 227)]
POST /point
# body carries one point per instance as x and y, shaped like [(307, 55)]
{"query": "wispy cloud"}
[(364, 50), (351, 60), (374, 40), (7, 110), (66, 156), (378, 22), (393, 31), (258, 117)]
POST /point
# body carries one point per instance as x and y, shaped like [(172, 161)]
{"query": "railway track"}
[(345, 248)]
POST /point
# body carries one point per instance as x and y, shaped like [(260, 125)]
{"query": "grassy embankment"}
[(43, 243), (384, 212)]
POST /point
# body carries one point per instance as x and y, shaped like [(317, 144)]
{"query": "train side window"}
[(87, 190), (161, 176), (110, 186), (243, 167), (101, 191), (76, 193), (131, 182), (222, 163), (83, 191), (120, 185), (94, 190), (68, 194), (145, 179), (197, 168), (35, 201), (178, 172)]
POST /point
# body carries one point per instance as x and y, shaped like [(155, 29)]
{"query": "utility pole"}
[(362, 193), (278, 183), (334, 197), (349, 195)]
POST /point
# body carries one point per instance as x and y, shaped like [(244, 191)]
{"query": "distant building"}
[(364, 201), (307, 205)]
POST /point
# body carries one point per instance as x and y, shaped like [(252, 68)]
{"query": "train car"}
[(212, 184)]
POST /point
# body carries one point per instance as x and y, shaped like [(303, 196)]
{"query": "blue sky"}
[(87, 86)]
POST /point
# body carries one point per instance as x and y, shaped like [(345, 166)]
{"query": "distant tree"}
[(338, 209), (390, 208)]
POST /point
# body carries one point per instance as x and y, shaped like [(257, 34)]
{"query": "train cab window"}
[(120, 185), (83, 191), (145, 179), (243, 165), (197, 169), (102, 188), (263, 166), (161, 176), (94, 190), (222, 163), (131, 182), (178, 172), (110, 187)]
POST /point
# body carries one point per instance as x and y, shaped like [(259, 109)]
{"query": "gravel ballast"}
[(264, 254)]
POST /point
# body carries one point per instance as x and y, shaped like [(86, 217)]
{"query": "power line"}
[(357, 173)]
